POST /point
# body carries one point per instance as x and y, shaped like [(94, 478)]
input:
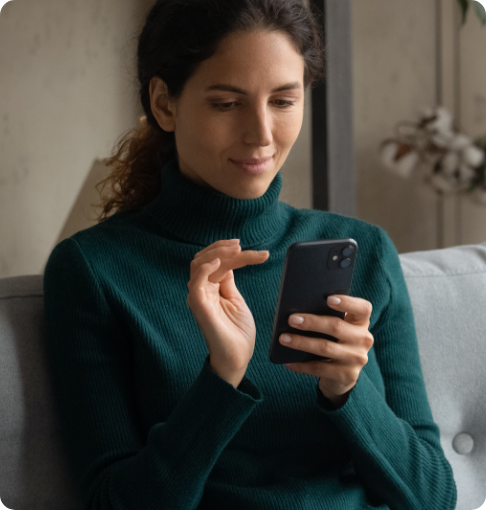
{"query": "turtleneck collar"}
[(203, 216)]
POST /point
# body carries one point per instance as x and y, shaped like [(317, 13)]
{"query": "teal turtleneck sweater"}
[(148, 425)]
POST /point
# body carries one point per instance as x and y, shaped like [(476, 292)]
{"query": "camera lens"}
[(345, 263), (348, 250)]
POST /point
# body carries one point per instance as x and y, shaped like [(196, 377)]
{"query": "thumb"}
[(227, 286)]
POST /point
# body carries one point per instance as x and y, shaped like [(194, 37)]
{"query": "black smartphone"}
[(313, 271)]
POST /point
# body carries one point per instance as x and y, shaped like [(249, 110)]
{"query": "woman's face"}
[(230, 109)]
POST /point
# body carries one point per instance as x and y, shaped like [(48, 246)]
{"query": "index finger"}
[(221, 242), (358, 310)]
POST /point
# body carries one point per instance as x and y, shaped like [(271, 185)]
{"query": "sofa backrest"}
[(448, 293)]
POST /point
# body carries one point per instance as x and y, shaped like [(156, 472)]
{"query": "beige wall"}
[(393, 68), (394, 65), (67, 82), (66, 96), (67, 87), (472, 113)]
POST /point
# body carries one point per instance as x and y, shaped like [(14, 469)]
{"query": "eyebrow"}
[(231, 88)]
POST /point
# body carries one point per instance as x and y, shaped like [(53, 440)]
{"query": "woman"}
[(159, 317)]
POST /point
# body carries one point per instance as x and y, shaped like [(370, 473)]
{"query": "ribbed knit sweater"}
[(146, 423)]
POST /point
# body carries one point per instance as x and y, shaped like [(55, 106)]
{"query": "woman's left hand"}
[(337, 376)]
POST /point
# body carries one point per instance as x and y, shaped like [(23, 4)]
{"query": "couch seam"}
[(443, 275), (21, 296)]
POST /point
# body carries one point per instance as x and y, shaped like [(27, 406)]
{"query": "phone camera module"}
[(345, 263), (347, 251)]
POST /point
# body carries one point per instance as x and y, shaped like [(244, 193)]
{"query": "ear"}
[(162, 108)]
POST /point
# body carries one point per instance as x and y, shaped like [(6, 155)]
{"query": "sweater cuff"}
[(221, 410), (246, 386), (322, 401), (357, 417), (361, 395)]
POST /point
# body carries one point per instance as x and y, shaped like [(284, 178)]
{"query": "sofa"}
[(448, 292)]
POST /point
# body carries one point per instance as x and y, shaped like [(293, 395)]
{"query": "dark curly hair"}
[(176, 37)]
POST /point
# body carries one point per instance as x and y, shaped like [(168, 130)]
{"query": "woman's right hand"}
[(220, 310)]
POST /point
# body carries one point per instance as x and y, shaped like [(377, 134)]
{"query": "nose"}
[(258, 127)]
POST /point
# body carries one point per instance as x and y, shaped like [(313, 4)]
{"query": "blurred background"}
[(68, 91)]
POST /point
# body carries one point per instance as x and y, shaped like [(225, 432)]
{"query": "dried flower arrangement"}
[(450, 161)]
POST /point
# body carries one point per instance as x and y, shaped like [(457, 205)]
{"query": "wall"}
[(408, 55), (471, 111), (67, 94), (68, 76), (69, 82), (394, 76)]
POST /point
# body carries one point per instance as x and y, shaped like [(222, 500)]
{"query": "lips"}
[(253, 161)]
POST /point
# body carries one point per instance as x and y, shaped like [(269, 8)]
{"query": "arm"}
[(394, 440), (89, 354)]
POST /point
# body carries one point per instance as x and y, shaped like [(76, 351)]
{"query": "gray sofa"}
[(448, 292)]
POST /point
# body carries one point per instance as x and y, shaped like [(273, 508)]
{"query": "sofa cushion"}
[(33, 468), (448, 293)]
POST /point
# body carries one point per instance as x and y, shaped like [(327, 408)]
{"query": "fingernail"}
[(263, 252), (333, 300), (233, 241), (296, 319), (286, 338)]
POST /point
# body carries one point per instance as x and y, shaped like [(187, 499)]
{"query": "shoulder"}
[(107, 234), (338, 226), (98, 244), (375, 247)]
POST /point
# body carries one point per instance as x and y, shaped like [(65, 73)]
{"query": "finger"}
[(218, 251), (329, 325), (242, 259), (237, 261), (228, 289), (221, 253), (338, 353), (219, 244), (245, 258), (201, 276), (358, 310)]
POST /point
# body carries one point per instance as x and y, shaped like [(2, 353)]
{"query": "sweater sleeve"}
[(89, 355), (394, 441)]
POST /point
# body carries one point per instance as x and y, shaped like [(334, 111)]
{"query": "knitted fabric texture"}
[(146, 423)]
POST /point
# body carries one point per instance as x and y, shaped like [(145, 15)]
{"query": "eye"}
[(227, 106), (286, 103), (220, 106)]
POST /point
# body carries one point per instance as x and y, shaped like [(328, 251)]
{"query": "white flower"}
[(449, 160), (403, 165), (442, 140), (473, 155), (441, 120), (388, 152), (450, 163), (460, 142)]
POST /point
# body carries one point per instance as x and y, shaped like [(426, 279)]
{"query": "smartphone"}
[(313, 271)]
